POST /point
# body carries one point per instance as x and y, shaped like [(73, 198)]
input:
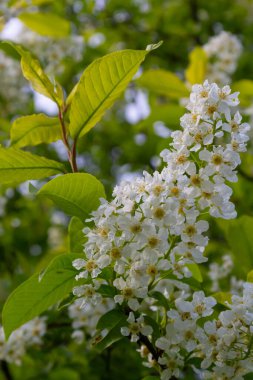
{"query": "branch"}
[(143, 339), (5, 369)]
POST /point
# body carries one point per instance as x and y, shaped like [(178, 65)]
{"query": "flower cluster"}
[(220, 271), (154, 228), (21, 339), (222, 345), (84, 320), (13, 92), (54, 55), (223, 52), (52, 52)]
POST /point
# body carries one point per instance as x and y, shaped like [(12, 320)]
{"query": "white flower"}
[(136, 327), (223, 52), (200, 306)]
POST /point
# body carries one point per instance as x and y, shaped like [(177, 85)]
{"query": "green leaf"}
[(163, 82), (110, 319), (240, 238), (161, 299), (223, 298), (100, 85), (18, 166), (195, 271), (46, 24), (196, 71), (107, 274), (107, 291), (76, 235), (189, 281), (34, 73), (77, 194), (64, 373), (34, 129), (250, 276), (249, 376), (32, 189), (38, 293), (151, 378), (155, 326), (245, 87), (114, 322)]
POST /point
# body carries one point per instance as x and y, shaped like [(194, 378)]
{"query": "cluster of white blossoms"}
[(21, 339), (154, 228), (14, 93), (218, 271), (223, 52), (222, 345), (53, 53), (84, 320)]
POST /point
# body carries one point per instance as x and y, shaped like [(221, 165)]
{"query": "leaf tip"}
[(154, 46)]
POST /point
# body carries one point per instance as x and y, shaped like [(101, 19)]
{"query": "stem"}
[(63, 128), (73, 157), (71, 151), (5, 369), (143, 339)]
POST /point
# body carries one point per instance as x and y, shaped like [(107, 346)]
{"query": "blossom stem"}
[(143, 339)]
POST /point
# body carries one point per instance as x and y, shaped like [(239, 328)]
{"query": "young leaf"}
[(163, 82), (34, 73), (38, 293), (34, 129), (76, 235), (18, 166), (100, 85), (77, 194), (196, 71), (46, 24)]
